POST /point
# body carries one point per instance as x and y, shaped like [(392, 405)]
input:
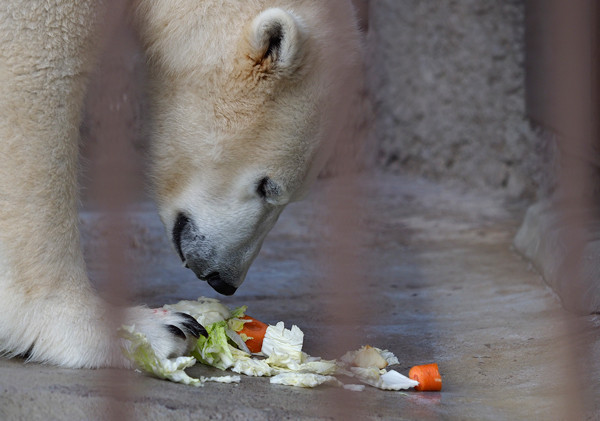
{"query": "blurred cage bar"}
[(114, 185), (342, 257), (562, 92), (562, 82)]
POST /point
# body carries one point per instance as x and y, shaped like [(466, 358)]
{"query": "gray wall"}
[(447, 83)]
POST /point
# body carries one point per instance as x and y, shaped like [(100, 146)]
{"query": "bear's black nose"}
[(219, 285), (198, 255)]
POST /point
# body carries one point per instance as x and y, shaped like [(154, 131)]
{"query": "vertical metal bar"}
[(575, 83), (113, 185), (344, 267), (342, 251)]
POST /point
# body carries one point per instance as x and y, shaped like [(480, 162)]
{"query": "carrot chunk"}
[(255, 330), (428, 376)]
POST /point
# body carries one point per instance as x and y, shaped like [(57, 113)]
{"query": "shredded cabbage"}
[(392, 380), (355, 387), (388, 356), (382, 379), (282, 342), (206, 310), (303, 379), (369, 356), (214, 350), (140, 353), (244, 364), (285, 363), (235, 321)]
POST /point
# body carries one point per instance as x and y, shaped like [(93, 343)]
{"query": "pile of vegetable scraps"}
[(244, 345)]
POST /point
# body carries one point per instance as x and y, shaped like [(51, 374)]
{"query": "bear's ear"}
[(276, 41)]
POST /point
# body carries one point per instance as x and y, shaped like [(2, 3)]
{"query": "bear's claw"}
[(192, 325), (176, 331)]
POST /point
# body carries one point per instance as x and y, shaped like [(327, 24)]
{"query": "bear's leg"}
[(49, 309)]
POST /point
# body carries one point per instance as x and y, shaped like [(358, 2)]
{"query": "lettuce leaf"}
[(392, 380), (281, 363), (235, 322), (139, 351), (355, 387), (239, 312), (205, 310), (382, 379), (303, 379), (215, 350), (282, 343), (244, 364), (367, 356)]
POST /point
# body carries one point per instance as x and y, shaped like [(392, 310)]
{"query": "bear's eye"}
[(267, 189)]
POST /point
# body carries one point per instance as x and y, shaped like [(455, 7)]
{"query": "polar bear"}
[(245, 97)]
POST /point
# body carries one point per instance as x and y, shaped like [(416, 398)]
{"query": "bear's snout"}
[(197, 254)]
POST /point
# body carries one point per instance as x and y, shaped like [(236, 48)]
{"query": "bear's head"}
[(246, 102)]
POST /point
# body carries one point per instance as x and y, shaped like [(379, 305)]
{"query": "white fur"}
[(263, 117), (291, 50), (226, 114)]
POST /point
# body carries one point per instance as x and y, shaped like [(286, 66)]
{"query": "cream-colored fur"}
[(241, 92)]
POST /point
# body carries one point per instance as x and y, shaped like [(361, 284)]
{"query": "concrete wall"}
[(447, 81)]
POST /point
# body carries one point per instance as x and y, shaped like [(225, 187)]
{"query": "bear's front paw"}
[(171, 334)]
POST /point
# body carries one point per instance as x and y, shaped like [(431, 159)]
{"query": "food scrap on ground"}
[(140, 352), (244, 345), (253, 332), (428, 376)]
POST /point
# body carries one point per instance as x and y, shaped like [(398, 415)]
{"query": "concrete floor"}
[(444, 285)]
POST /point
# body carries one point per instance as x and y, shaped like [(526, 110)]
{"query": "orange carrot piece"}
[(428, 376), (256, 330)]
